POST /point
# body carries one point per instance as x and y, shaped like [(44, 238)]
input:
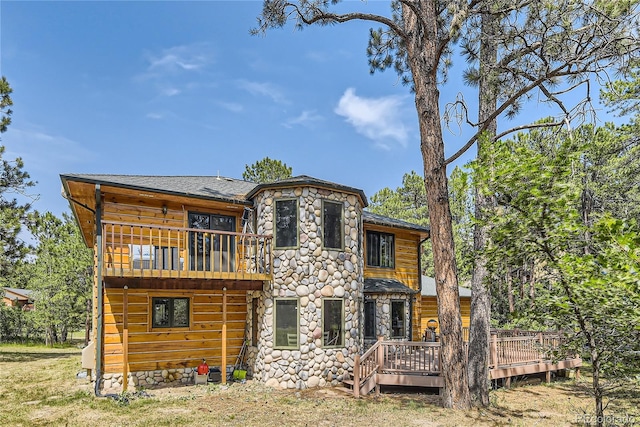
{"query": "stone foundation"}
[(148, 379)]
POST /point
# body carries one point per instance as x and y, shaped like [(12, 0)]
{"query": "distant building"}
[(14, 297)]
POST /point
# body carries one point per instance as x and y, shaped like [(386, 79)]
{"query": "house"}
[(14, 297), (190, 268), (429, 306)]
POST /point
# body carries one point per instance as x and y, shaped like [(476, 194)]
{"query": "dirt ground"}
[(38, 387)]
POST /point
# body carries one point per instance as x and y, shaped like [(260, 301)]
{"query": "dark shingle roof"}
[(386, 286), (391, 222), (210, 187), (308, 180), (227, 189)]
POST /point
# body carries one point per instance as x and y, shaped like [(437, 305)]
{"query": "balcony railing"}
[(138, 250)]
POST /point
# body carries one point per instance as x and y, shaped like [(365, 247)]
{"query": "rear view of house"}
[(189, 268)]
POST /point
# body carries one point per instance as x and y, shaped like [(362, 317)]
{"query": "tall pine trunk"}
[(479, 330), (422, 53)]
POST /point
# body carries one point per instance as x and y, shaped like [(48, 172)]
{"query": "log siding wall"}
[(169, 348)]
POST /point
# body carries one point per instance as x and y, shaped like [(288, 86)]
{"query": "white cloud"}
[(379, 119), (177, 58), (306, 118), (231, 106), (168, 70), (45, 152), (263, 89)]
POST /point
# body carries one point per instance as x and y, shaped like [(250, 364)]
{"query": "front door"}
[(212, 250)]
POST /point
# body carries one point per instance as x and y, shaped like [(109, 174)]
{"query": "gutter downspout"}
[(100, 290), (420, 276)]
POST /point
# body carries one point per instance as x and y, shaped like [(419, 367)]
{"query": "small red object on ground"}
[(203, 368)]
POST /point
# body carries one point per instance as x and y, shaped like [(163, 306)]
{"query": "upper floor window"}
[(332, 224), (170, 312), (380, 249), (286, 223)]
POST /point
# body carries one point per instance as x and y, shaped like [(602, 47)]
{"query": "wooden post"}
[(224, 336), (507, 383), (547, 377), (494, 351), (380, 358), (125, 339), (356, 376), (577, 372), (541, 352)]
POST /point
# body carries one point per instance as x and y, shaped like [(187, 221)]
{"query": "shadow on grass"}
[(22, 357)]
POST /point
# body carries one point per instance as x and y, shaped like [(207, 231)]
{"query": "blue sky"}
[(181, 88)]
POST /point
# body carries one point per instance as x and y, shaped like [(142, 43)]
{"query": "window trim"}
[(153, 327), (393, 255), (275, 323), (275, 228), (404, 318), (341, 239), (340, 342)]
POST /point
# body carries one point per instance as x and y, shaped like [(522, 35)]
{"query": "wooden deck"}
[(406, 363)]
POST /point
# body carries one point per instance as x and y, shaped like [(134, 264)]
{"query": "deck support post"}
[(125, 339), (577, 372), (547, 377), (507, 383), (493, 362), (356, 376), (224, 336), (380, 363)]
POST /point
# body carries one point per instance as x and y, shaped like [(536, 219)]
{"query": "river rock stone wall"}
[(309, 273)]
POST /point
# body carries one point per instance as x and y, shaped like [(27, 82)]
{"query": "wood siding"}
[(406, 267), (430, 311), (167, 348)]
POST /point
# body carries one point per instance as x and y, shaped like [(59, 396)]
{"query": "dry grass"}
[(38, 387)]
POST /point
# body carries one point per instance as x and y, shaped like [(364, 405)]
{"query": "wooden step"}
[(348, 382), (344, 390)]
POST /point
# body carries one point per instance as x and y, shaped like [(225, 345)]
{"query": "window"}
[(286, 224), (333, 322), (380, 249), (286, 321), (397, 319), (370, 319), (170, 312), (166, 258), (203, 246), (332, 224), (255, 302)]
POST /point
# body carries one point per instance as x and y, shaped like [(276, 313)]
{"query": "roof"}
[(226, 189), (386, 286), (372, 218), (210, 187), (19, 293), (429, 288), (308, 180)]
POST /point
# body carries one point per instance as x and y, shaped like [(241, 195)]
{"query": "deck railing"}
[(420, 359), (136, 250)]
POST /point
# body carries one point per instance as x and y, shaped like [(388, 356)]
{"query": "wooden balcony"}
[(132, 250)]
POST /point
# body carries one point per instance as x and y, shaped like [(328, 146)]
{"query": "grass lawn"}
[(38, 387)]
